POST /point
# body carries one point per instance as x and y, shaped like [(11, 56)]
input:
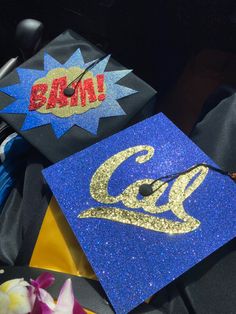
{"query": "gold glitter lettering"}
[(181, 189)]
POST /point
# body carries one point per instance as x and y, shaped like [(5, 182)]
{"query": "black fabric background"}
[(211, 285), (215, 134), (23, 212)]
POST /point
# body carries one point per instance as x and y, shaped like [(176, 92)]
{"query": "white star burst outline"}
[(88, 120)]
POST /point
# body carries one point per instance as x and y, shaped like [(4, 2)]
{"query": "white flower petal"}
[(65, 302), (14, 297), (19, 300), (7, 285), (45, 297), (4, 303)]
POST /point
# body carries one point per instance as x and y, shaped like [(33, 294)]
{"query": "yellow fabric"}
[(57, 248)]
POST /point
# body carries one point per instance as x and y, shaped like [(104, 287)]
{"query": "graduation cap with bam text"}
[(71, 95)]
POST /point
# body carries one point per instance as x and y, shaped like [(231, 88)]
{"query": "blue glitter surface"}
[(133, 263), (88, 120)]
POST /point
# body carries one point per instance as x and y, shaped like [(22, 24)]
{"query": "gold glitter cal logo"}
[(181, 189)]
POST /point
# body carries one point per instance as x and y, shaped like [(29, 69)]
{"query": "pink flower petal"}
[(42, 301), (77, 308), (40, 308), (45, 280), (32, 295), (40, 295)]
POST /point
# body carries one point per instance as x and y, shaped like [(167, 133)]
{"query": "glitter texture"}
[(40, 95), (129, 197), (137, 245), (141, 220)]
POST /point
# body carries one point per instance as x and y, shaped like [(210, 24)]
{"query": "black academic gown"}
[(211, 286)]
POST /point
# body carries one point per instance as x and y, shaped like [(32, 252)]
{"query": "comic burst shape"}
[(39, 94)]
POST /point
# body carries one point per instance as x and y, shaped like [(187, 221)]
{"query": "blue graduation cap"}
[(145, 204)]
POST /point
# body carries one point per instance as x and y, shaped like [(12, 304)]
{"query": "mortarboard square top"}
[(107, 97), (138, 244)]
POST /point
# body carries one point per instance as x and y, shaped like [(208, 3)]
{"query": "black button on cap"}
[(145, 189), (69, 91)]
